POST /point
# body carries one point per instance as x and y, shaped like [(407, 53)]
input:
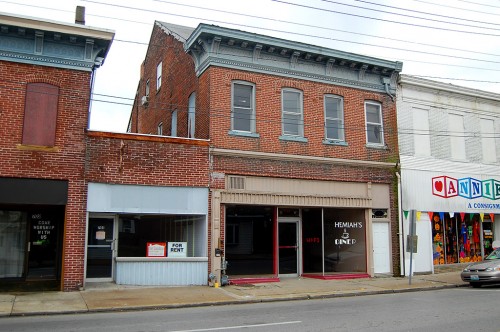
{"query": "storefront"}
[(147, 235), (32, 214), (280, 241), (457, 217), (275, 241)]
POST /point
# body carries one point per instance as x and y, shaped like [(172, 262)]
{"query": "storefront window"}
[(312, 241), (457, 239), (136, 231), (345, 244), (249, 240), (12, 243)]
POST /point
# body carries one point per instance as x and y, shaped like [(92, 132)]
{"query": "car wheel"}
[(475, 284)]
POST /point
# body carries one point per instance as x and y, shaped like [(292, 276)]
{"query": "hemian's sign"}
[(446, 187)]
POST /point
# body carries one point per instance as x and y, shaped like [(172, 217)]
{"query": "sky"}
[(452, 41)]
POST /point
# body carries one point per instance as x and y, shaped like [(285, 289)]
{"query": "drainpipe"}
[(401, 228), (387, 82)]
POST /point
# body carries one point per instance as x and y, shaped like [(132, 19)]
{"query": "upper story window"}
[(334, 118), (488, 140), (40, 114), (191, 114), (158, 76), (243, 107), (173, 129), (374, 125), (160, 128), (146, 93), (421, 130), (292, 116), (456, 133)]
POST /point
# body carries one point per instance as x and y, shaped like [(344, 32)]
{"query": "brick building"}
[(303, 149), (46, 71)]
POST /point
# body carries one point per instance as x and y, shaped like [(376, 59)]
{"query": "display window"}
[(460, 239), (135, 232)]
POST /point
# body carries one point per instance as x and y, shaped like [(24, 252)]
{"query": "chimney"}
[(80, 15)]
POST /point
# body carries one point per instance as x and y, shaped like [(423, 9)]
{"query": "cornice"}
[(50, 43), (213, 45), (209, 61), (298, 158), (446, 87), (34, 23)]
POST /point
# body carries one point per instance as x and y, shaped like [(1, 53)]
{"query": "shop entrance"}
[(100, 248), (288, 247), (43, 245)]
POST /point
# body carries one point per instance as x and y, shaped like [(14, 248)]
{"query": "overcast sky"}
[(454, 41)]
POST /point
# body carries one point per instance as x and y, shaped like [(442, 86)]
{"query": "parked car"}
[(487, 271)]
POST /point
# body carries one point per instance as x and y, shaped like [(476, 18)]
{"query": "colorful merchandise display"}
[(461, 238)]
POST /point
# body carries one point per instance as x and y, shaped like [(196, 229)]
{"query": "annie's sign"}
[(470, 188)]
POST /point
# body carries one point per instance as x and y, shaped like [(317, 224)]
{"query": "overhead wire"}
[(425, 13), (226, 114), (387, 21), (280, 31)]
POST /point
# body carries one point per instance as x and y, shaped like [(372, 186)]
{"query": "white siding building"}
[(449, 141)]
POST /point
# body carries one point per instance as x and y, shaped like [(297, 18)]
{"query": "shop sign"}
[(470, 188), (177, 249), (345, 238), (156, 249), (42, 229)]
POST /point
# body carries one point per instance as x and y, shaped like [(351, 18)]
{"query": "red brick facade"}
[(146, 160), (64, 161), (213, 107)]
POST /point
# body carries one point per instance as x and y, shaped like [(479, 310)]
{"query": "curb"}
[(237, 302)]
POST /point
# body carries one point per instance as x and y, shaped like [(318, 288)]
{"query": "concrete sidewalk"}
[(111, 297)]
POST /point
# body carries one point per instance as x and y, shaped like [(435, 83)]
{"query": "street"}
[(457, 309)]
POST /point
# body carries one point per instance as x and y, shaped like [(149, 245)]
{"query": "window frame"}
[(160, 129), (159, 69), (341, 129), (192, 115), (300, 124), (146, 92), (173, 122), (252, 124), (380, 124), (41, 108)]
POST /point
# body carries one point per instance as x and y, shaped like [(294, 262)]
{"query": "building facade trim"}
[(298, 158)]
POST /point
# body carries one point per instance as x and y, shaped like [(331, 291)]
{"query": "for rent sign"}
[(177, 249)]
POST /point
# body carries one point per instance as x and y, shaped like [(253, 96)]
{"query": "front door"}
[(288, 248), (44, 244), (100, 247)]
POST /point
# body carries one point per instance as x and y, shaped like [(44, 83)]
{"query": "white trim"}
[(298, 158)]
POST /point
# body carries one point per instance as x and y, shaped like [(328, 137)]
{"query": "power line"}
[(457, 8), (410, 16), (479, 4), (388, 21), (318, 123), (425, 13)]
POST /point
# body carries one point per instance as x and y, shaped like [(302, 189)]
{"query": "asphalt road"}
[(457, 309)]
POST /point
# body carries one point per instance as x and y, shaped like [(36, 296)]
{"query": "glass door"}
[(288, 248), (100, 247), (43, 245)]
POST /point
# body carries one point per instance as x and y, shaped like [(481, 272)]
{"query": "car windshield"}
[(494, 255)]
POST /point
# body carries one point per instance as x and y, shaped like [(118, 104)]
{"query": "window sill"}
[(293, 138), (332, 142), (243, 134), (38, 148), (160, 259), (376, 146)]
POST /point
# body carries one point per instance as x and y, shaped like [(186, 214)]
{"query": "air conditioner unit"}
[(145, 100)]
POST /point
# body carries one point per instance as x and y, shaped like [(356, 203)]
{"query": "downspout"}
[(401, 228), (387, 82), (97, 63)]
